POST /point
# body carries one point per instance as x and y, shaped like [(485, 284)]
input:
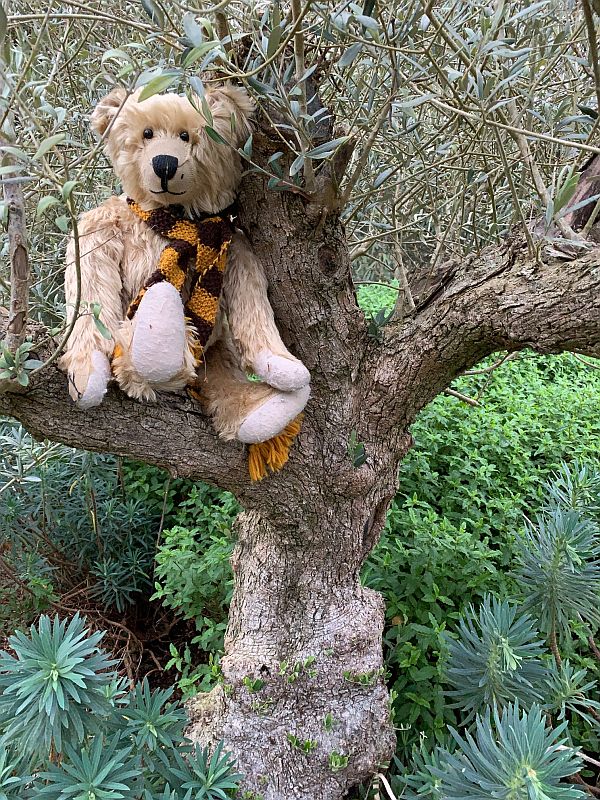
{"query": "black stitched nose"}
[(165, 167)]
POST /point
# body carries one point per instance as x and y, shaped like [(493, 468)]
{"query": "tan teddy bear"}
[(181, 292)]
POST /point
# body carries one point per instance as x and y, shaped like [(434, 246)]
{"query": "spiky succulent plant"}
[(55, 685), (511, 756), (496, 658)]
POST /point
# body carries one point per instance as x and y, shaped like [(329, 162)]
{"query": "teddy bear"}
[(180, 290)]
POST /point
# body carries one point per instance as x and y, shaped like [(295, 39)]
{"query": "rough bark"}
[(306, 531), (19, 265)]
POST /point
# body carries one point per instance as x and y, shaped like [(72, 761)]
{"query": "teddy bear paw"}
[(281, 372), (157, 350), (271, 417), (97, 382)]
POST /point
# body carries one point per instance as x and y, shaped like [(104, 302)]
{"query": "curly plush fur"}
[(118, 252)]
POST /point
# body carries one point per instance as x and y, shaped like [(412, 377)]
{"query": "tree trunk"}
[(303, 704), (303, 671)]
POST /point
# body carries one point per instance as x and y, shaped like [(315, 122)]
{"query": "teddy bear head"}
[(162, 153)]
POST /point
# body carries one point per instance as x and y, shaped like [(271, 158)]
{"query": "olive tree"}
[(435, 148)]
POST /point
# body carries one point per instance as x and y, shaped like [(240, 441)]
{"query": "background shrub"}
[(80, 523)]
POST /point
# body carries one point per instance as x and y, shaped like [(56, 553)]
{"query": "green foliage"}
[(69, 521), (496, 658), (464, 488), (192, 562), (337, 761), (193, 574), (559, 571), (515, 757), (305, 746), (203, 775), (83, 737), (196, 677), (374, 298), (102, 771), (149, 720), (12, 780), (55, 686), (569, 690), (17, 366)]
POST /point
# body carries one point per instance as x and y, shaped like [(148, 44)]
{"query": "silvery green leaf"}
[(154, 12), (159, 84), (196, 53), (192, 30), (48, 144), (350, 54), (382, 177), (415, 101), (214, 135), (296, 165), (324, 150)]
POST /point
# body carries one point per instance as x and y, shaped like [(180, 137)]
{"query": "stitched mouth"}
[(166, 191)]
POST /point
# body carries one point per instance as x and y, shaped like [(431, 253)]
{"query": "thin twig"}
[(404, 299), (540, 187), (309, 175), (585, 361), (553, 644), (594, 647), (593, 45), (492, 367), (464, 397), (364, 155)]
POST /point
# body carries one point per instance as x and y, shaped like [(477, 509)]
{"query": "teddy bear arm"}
[(88, 349), (252, 323)]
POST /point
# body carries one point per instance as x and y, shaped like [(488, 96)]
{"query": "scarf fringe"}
[(274, 453)]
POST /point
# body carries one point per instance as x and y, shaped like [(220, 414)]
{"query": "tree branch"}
[(501, 300), (172, 433)]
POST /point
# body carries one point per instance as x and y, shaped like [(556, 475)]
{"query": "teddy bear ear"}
[(230, 101), (107, 108)]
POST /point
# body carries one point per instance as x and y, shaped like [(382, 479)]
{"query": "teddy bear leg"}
[(97, 381), (252, 322), (242, 409), (154, 350), (159, 338)]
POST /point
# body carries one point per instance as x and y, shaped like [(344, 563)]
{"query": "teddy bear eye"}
[(184, 136), (148, 133)]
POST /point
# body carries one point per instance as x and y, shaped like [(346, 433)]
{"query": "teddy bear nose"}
[(165, 166)]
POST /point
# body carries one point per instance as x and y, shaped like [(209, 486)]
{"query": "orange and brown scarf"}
[(195, 258)]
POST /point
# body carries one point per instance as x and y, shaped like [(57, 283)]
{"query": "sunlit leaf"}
[(350, 54), (159, 84), (48, 144), (44, 204), (324, 150), (215, 135)]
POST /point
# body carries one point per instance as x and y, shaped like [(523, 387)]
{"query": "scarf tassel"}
[(274, 453)]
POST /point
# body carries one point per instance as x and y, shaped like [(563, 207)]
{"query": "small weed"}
[(337, 761), (305, 746), (363, 678), (253, 684), (292, 672)]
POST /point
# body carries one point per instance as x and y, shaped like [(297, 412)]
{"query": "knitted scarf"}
[(197, 246)]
